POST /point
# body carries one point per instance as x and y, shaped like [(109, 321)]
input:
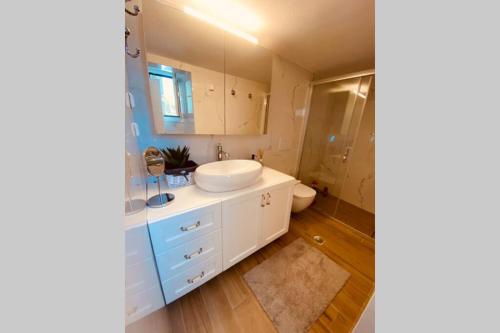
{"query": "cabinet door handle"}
[(191, 227), (263, 201), (268, 201), (196, 278), (195, 253)]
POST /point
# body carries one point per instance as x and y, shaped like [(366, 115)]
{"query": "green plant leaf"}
[(176, 158)]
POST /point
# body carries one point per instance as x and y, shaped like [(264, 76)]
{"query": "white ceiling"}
[(323, 36), (326, 37)]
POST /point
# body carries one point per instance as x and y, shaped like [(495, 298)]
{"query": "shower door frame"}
[(302, 137), (367, 72)]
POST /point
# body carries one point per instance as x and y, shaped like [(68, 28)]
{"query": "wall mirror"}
[(248, 70), (201, 79)]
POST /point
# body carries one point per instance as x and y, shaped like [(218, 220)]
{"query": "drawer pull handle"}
[(268, 201), (195, 253), (196, 278), (191, 227), (263, 201)]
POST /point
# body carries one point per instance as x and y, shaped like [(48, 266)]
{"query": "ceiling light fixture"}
[(190, 11)]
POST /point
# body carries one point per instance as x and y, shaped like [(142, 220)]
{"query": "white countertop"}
[(136, 220), (191, 197)]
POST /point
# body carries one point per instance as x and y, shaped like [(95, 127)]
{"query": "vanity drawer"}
[(184, 256), (179, 229), (141, 304), (192, 278), (137, 245), (140, 276)]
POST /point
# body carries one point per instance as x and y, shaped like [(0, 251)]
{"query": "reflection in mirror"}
[(248, 83), (171, 93), (186, 71), (203, 80)]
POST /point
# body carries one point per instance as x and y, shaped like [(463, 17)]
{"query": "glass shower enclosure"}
[(338, 155)]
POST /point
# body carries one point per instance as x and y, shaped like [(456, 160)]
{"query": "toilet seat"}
[(303, 191)]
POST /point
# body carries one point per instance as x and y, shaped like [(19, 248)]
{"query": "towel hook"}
[(135, 12), (137, 51)]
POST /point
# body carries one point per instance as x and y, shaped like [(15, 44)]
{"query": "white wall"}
[(289, 90), (366, 323)]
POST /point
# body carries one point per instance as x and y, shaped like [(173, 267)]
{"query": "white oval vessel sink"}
[(229, 175)]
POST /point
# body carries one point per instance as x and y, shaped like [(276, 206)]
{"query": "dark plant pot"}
[(178, 177), (189, 167)]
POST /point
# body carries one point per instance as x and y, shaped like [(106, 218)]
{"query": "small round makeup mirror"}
[(155, 163)]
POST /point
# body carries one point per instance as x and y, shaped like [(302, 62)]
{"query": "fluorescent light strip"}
[(190, 11)]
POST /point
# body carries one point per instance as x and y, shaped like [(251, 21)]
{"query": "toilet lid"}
[(303, 191)]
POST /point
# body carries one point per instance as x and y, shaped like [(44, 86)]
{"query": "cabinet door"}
[(276, 213), (241, 227)]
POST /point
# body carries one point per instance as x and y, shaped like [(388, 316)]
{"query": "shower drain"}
[(319, 240)]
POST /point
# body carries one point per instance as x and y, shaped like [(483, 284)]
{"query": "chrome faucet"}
[(220, 153)]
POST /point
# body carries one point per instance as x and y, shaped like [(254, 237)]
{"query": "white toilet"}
[(303, 196)]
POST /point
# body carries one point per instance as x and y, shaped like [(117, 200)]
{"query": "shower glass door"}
[(338, 152)]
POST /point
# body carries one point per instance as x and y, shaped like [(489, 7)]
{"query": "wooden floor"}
[(226, 304), (346, 212)]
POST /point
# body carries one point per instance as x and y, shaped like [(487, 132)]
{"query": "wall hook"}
[(135, 12), (137, 51)]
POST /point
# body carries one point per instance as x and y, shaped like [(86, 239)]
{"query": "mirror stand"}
[(161, 199), (155, 164)]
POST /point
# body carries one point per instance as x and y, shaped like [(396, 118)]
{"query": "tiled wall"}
[(359, 186)]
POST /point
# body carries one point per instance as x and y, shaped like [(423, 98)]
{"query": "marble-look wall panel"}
[(289, 89), (359, 186)]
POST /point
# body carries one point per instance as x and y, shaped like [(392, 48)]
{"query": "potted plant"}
[(178, 166)]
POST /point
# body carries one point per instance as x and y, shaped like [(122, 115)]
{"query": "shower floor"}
[(347, 213)]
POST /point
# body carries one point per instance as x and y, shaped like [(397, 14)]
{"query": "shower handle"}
[(346, 154)]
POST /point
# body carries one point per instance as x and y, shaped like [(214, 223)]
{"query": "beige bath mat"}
[(296, 285)]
